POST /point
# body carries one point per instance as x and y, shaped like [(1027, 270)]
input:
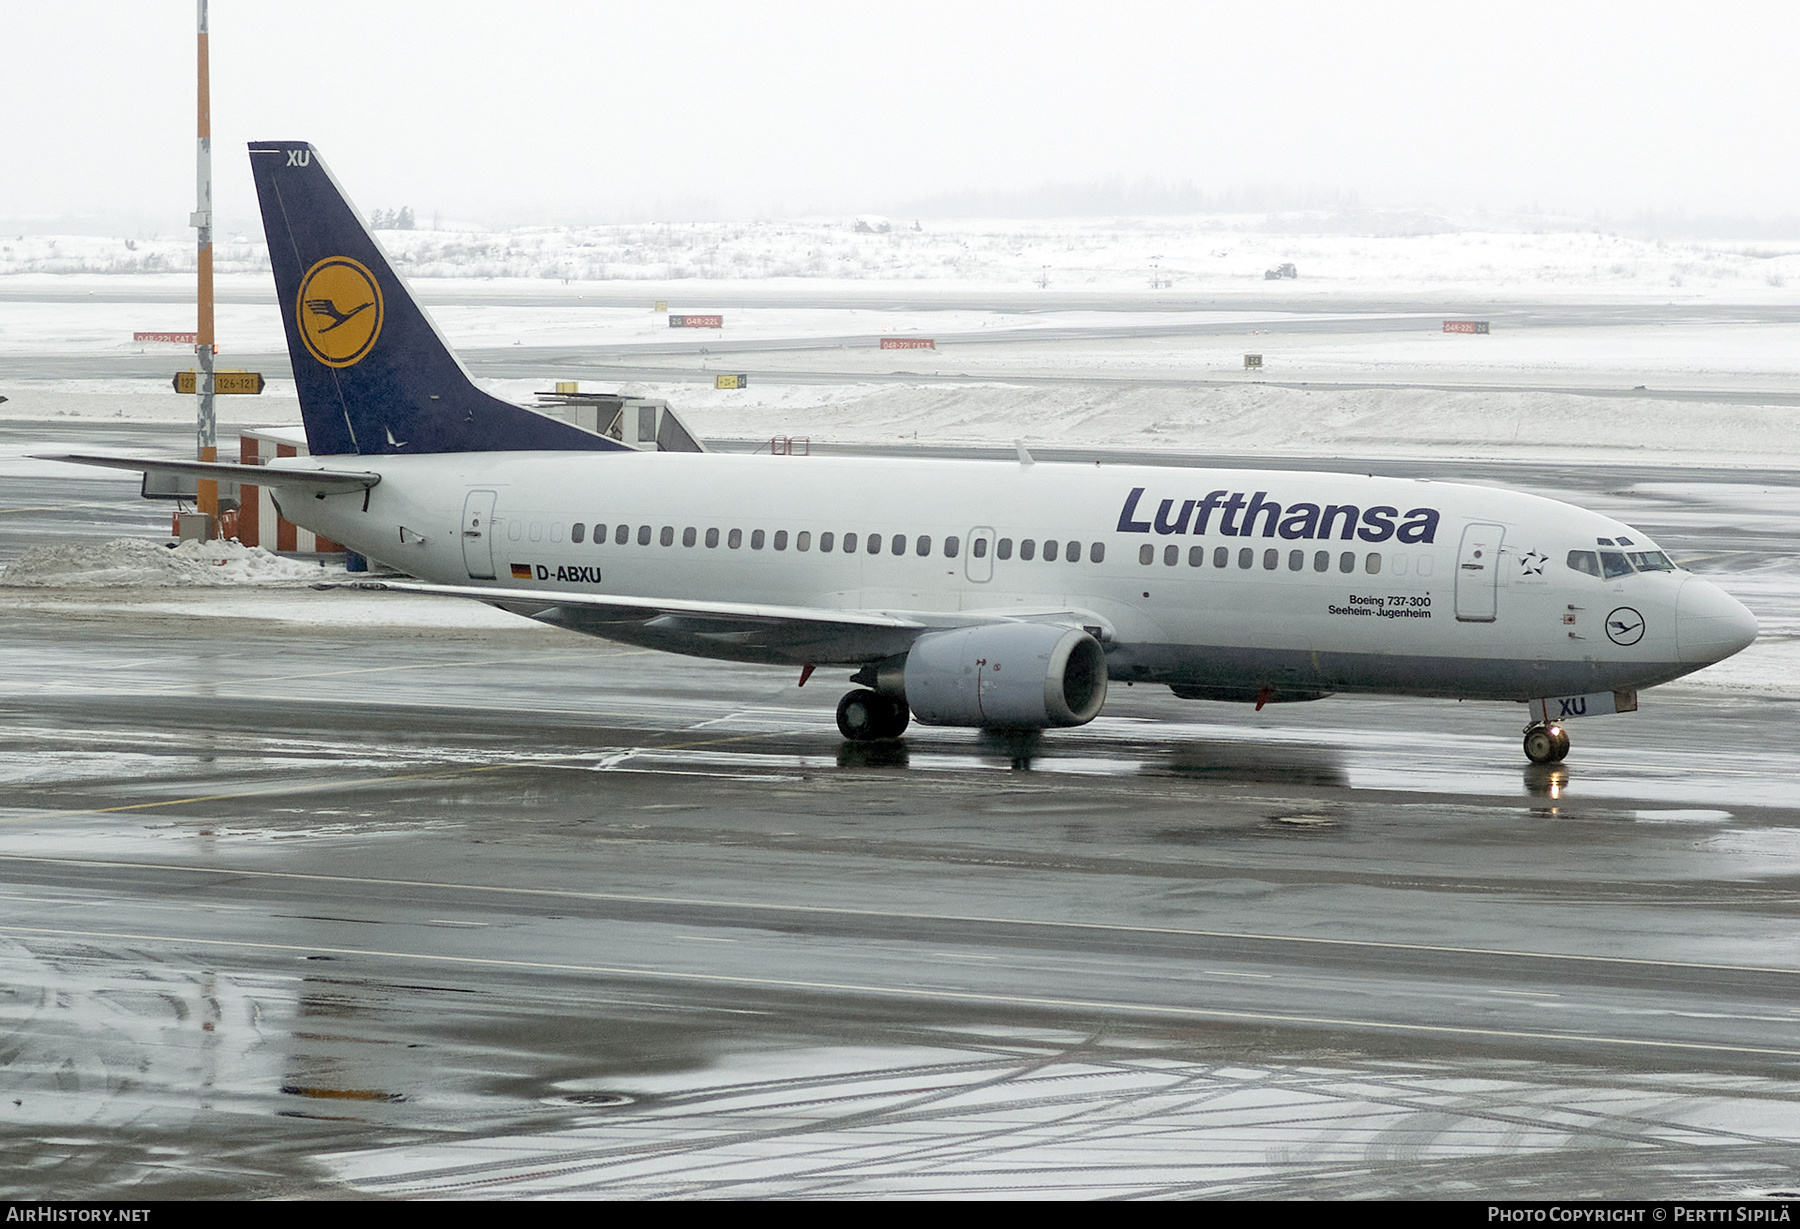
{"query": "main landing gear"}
[(866, 716), (1544, 744)]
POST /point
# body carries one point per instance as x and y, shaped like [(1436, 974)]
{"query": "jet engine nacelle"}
[(1009, 676)]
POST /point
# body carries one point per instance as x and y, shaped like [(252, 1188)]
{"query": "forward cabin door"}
[(1478, 573), (477, 535)]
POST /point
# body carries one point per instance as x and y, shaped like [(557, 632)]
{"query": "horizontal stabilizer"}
[(224, 471)]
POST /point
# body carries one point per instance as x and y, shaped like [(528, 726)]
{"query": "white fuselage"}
[(1413, 587)]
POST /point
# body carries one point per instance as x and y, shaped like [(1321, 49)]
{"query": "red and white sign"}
[(186, 339), (696, 322), (1465, 326), (908, 343)]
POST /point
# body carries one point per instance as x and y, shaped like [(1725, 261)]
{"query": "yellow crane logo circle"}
[(339, 311)]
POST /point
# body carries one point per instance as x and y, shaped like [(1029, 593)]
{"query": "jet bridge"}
[(637, 422)]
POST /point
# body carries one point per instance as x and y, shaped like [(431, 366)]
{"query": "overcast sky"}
[(534, 110)]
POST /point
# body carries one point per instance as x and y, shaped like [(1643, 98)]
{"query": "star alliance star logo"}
[(1532, 563)]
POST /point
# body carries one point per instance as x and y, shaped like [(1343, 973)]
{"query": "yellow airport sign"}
[(731, 381), (224, 382)]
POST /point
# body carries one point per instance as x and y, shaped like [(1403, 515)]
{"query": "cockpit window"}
[(1585, 561), (1613, 563), (1651, 561)]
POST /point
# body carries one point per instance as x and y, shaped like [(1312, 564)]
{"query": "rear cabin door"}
[(477, 535), (1478, 573), (978, 555)]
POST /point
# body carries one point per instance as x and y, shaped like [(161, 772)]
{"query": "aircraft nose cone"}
[(1710, 624)]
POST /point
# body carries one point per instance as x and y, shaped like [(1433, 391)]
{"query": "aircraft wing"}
[(224, 471), (794, 634), (636, 609)]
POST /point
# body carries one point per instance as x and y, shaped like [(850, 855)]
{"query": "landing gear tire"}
[(1546, 744), (867, 716)]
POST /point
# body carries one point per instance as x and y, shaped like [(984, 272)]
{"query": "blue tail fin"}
[(373, 374)]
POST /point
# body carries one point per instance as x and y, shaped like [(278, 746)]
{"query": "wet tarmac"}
[(320, 899)]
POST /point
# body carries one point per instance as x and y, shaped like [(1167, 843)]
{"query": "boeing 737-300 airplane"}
[(962, 593)]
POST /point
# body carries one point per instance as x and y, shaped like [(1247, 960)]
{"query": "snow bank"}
[(133, 561)]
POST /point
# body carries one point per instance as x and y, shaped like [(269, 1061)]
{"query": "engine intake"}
[(1027, 676)]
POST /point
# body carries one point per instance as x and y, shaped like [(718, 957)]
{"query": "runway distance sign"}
[(186, 339), (908, 343), (1465, 326), (696, 322)]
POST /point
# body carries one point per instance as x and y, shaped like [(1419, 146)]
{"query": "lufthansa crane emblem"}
[(339, 311), (1625, 627)]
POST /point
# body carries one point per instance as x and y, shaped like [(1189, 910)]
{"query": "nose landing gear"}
[(866, 716), (1544, 744)]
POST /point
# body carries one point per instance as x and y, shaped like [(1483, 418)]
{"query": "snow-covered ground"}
[(1138, 376), (1367, 253)]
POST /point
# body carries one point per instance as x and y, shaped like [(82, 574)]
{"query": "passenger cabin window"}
[(1322, 561), (1246, 557), (689, 536), (780, 539), (622, 535), (1027, 548), (1372, 562), (1096, 552), (599, 534), (1220, 556), (922, 546), (951, 546), (1146, 553), (1050, 545), (1296, 560), (668, 535), (577, 532), (756, 539), (734, 539), (874, 544), (826, 540), (1196, 555), (643, 535), (980, 548), (849, 544), (1171, 555), (1347, 561), (712, 538), (1584, 561), (899, 546), (1003, 550), (803, 540), (1271, 559)]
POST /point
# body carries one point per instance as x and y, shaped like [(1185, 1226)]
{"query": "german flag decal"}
[(521, 571)]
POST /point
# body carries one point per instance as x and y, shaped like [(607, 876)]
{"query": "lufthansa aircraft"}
[(963, 593)]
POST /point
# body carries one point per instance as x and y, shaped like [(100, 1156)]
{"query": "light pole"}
[(207, 430)]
